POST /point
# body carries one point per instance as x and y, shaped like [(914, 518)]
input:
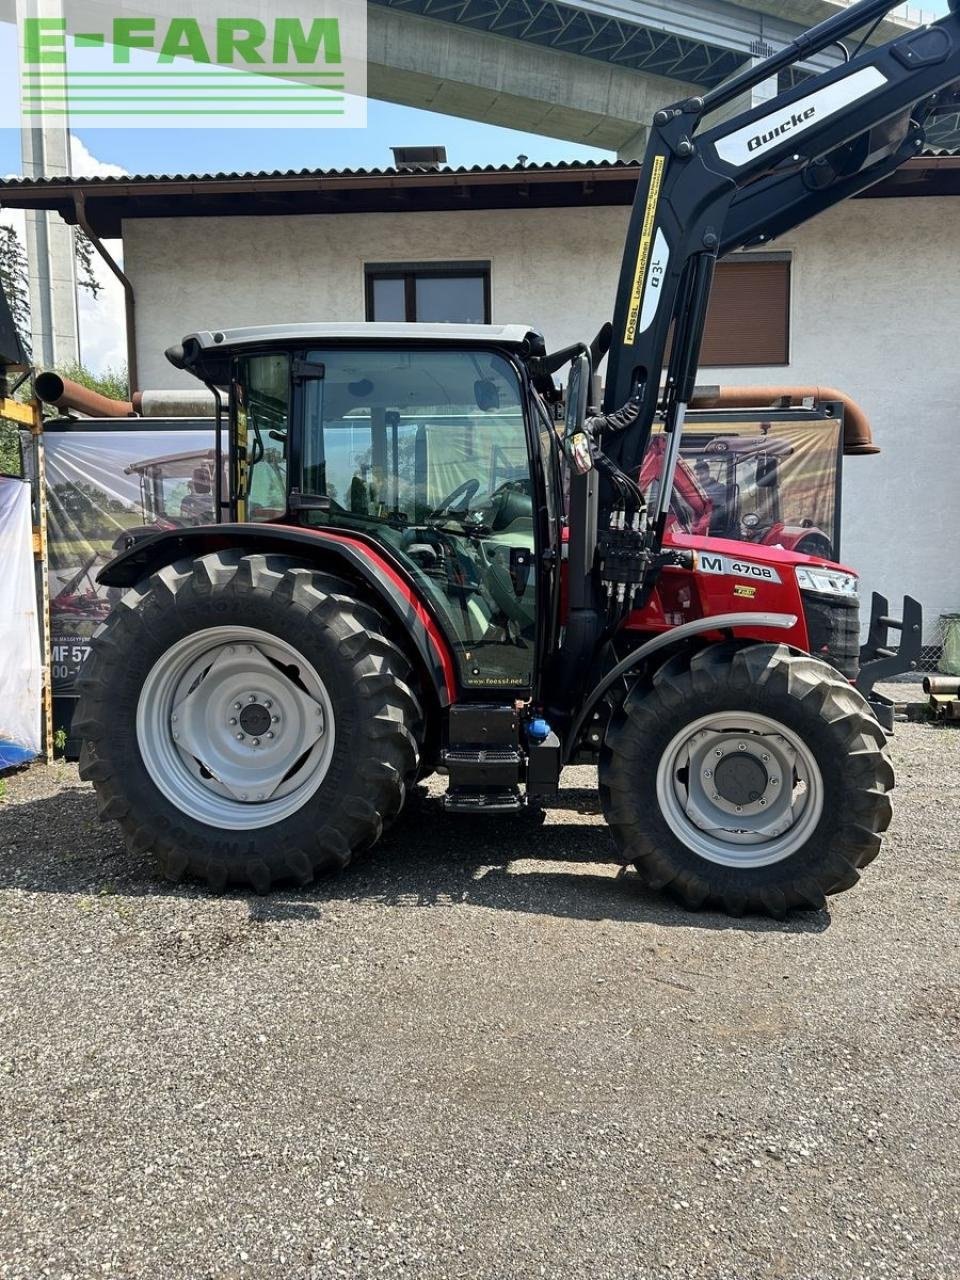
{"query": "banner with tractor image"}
[(104, 485), (773, 480)]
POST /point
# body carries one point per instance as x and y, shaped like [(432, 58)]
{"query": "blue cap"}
[(538, 730)]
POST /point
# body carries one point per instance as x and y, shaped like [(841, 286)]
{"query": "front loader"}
[(451, 583)]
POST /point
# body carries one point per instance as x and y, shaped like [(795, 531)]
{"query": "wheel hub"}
[(740, 789), (740, 778), (255, 718), (235, 727)]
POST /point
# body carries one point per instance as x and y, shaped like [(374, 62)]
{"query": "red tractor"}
[(451, 584)]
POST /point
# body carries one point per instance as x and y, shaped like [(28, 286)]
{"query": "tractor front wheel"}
[(748, 778), (247, 720)]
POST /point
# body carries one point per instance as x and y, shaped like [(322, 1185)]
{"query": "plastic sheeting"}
[(104, 484), (781, 473), (21, 675)]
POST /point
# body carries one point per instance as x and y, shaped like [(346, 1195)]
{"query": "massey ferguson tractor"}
[(456, 585)]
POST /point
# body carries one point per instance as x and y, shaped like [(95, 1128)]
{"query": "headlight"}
[(828, 582)]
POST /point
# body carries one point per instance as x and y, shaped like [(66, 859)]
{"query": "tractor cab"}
[(177, 489), (428, 442)]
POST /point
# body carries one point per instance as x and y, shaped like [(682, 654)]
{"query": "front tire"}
[(247, 720), (747, 778)]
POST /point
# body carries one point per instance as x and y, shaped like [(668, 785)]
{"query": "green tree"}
[(15, 276), (84, 251), (110, 382), (15, 281), (9, 450)]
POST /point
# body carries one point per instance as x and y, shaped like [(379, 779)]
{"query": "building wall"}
[(875, 292)]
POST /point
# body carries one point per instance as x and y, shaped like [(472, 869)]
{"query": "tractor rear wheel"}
[(748, 778), (247, 720)]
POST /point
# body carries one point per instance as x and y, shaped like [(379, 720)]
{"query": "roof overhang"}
[(109, 202)]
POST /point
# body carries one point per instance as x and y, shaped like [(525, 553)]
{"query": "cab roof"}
[(198, 349)]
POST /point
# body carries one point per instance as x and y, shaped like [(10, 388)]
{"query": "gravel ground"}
[(476, 1055)]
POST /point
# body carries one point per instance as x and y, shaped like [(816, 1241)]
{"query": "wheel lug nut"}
[(232, 720), (256, 742), (239, 737), (176, 737), (274, 719), (763, 804), (267, 703), (765, 758), (741, 746), (237, 706), (719, 751), (269, 735), (716, 795), (252, 698), (774, 782), (708, 773)]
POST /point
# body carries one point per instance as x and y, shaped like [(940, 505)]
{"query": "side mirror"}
[(575, 441), (578, 390)]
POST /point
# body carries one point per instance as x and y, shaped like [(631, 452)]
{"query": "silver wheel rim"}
[(235, 727), (739, 789)]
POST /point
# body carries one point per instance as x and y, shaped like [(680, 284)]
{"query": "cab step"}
[(489, 801)]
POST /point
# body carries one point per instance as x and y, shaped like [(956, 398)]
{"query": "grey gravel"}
[(479, 1055)]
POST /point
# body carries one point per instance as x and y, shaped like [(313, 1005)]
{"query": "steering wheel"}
[(465, 490)]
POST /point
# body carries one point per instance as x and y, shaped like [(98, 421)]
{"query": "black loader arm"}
[(705, 193)]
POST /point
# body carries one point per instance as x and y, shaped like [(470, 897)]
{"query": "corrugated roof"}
[(265, 175)]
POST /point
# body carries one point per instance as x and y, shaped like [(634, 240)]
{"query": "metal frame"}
[(29, 416), (696, 41)]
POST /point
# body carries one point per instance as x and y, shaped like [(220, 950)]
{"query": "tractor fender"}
[(719, 622), (371, 563)]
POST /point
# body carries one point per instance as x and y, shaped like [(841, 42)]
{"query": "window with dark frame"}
[(429, 292), (748, 322)]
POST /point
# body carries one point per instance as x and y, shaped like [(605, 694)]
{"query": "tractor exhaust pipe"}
[(64, 394), (857, 433)]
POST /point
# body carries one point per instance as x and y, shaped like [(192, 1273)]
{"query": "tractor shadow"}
[(561, 867)]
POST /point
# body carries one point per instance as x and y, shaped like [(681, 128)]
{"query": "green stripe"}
[(93, 111), (219, 75), (181, 97)]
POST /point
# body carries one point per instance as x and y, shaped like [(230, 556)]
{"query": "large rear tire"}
[(247, 720), (747, 778)]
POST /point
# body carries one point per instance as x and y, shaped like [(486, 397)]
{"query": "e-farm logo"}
[(195, 67)]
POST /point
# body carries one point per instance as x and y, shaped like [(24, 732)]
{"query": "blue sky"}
[(237, 150), (212, 150)]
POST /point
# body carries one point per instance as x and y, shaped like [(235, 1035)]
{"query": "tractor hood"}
[(749, 552)]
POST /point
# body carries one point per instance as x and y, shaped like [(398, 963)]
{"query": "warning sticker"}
[(643, 252)]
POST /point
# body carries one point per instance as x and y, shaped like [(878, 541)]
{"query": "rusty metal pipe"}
[(944, 686), (857, 434), (64, 394)]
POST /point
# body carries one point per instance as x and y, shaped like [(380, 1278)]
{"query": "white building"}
[(861, 299)]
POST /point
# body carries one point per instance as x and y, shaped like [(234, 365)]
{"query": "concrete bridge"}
[(588, 71)]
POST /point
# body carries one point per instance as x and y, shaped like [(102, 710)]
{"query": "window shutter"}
[(748, 322)]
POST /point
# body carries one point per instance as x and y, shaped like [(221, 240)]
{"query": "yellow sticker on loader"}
[(643, 253)]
